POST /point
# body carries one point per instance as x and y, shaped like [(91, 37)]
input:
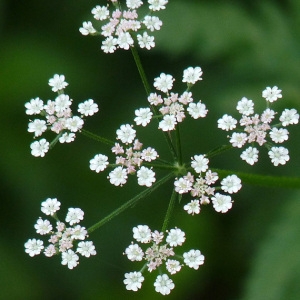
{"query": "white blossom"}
[(193, 259), (192, 75), (163, 284), (133, 281)]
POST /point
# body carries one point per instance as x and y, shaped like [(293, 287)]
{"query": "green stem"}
[(161, 167), (130, 203), (218, 150), (264, 180), (141, 70), (178, 144), (97, 137), (169, 211), (55, 140), (148, 91)]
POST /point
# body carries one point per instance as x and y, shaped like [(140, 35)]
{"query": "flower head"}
[(192, 75), (271, 94), (57, 82), (62, 238), (133, 281), (163, 284)]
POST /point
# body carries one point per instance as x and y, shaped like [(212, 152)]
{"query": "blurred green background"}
[(252, 252)]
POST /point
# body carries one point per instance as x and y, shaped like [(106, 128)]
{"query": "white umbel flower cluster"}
[(203, 187), (257, 129), (157, 253), (57, 116), (129, 159), (63, 237), (172, 106), (121, 27)]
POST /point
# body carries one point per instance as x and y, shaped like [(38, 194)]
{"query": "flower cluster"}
[(202, 189), (129, 157), (157, 255), (173, 107), (62, 239), (121, 26), (58, 116), (257, 128)]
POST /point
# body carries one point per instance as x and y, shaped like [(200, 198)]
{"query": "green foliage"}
[(242, 47), (276, 263)]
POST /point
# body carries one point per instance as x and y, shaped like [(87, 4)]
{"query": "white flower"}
[(78, 232), (193, 259), (67, 137), (99, 163), (183, 185), (39, 148), (37, 127), (152, 23), (133, 4), (279, 155), (221, 203), (176, 237), (134, 252), (227, 123), (133, 281), (271, 94), (238, 139), (145, 176), (168, 123), (57, 82), (164, 82), (163, 284), (50, 250), (211, 177), (173, 266), (197, 110), (125, 40), (86, 249), (109, 45), (74, 124), (143, 116), (231, 184), (146, 41), (289, 116), (192, 75), (149, 154), (250, 155), (62, 103), (193, 207), (74, 215), (43, 226), (88, 107), (87, 28), (33, 247), (50, 206), (126, 134), (70, 258), (157, 237), (100, 12), (279, 135), (268, 115), (245, 106), (155, 99), (199, 163), (156, 5), (142, 233), (118, 176), (34, 107)]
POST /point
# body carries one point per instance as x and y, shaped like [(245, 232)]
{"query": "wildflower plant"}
[(122, 27)]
